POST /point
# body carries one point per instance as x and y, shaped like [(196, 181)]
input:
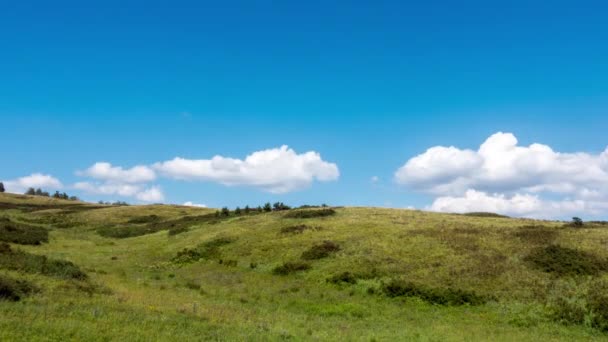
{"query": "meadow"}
[(79, 271)]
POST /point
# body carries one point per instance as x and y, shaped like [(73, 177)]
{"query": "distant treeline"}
[(113, 203), (277, 206), (57, 194)]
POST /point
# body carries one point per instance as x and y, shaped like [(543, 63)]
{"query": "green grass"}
[(460, 277)]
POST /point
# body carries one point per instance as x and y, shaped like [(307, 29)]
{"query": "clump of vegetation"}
[(279, 206), (576, 222), (22, 233), (31, 263), (320, 251), (123, 232), (57, 194), (344, 277), (442, 296), (177, 230), (291, 267), (207, 250), (570, 302), (2, 187), (310, 213), (485, 214), (152, 224), (298, 229), (536, 234), (13, 290), (563, 261)]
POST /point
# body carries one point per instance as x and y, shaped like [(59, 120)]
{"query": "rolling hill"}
[(79, 271)]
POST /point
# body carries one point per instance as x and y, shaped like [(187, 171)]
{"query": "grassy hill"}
[(77, 271)]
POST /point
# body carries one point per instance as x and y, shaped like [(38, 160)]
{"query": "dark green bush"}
[(22, 233), (344, 277), (485, 214), (563, 261), (177, 230), (152, 224), (123, 232), (310, 213), (320, 251), (298, 229), (442, 296), (207, 250), (31, 263), (586, 303), (290, 267), (13, 290)]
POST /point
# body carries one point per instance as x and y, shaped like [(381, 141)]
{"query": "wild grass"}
[(144, 295)]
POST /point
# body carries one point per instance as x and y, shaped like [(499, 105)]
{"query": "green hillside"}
[(77, 271)]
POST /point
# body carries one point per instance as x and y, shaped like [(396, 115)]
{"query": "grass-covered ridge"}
[(347, 274)]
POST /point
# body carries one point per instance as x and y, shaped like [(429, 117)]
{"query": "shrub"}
[(485, 214), (193, 285), (2, 187), (278, 206), (570, 302), (152, 224), (13, 290), (442, 296), (123, 232), (177, 230), (576, 222), (267, 207), (344, 277), (290, 267), (310, 213), (31, 263), (564, 261), (21, 233), (225, 212), (321, 250), (298, 229), (207, 250)]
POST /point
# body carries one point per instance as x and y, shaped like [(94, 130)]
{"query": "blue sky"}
[(366, 85)]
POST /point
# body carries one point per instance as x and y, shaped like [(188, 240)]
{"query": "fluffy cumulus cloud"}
[(190, 204), (35, 180), (138, 191), (277, 170), (107, 172), (502, 176)]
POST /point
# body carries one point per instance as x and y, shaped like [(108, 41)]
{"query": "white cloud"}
[(516, 177), (153, 194), (105, 171), (375, 179), (516, 205), (35, 180), (277, 170), (190, 204)]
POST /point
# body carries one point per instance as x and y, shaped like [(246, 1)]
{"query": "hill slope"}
[(173, 273)]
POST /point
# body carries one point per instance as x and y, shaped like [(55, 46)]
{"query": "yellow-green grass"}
[(142, 295)]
